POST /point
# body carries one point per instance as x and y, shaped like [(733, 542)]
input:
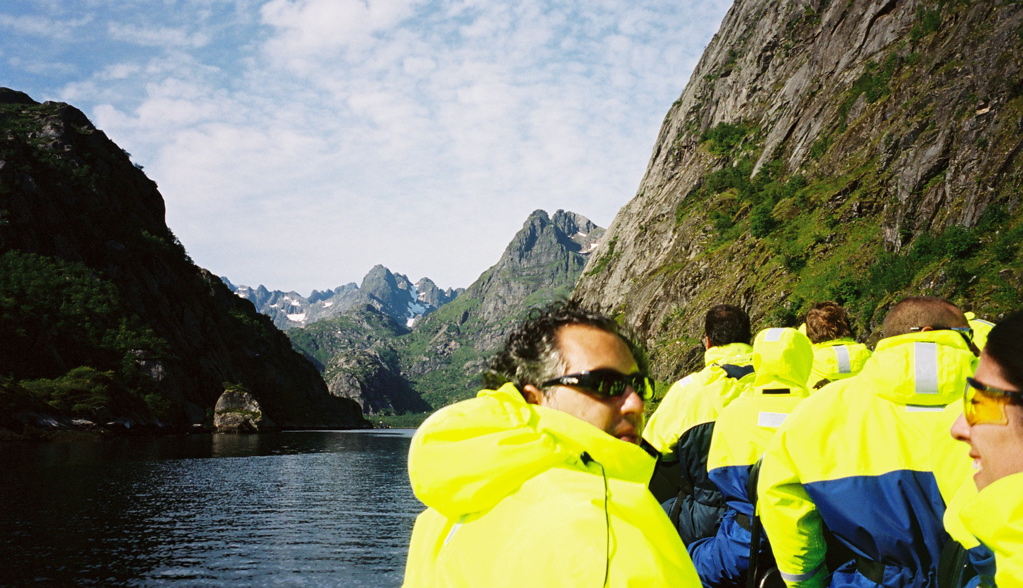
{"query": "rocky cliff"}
[(102, 313), (356, 353), (859, 151)]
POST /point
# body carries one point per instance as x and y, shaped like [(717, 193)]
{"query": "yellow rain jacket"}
[(995, 516), (699, 397), (953, 472), (521, 495), (854, 458), (782, 358), (981, 328), (836, 360)]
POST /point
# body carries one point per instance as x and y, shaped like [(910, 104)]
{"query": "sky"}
[(298, 143)]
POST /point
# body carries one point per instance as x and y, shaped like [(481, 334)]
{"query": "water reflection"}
[(303, 508)]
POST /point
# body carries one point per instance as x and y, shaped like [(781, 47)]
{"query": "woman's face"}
[(997, 450)]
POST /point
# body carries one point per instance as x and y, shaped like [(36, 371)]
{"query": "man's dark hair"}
[(727, 323), (1003, 346), (827, 321), (531, 354), (922, 311)]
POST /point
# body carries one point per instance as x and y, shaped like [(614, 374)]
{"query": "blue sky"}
[(297, 143)]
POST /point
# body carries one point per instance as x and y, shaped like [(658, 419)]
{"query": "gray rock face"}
[(543, 261), (237, 411), (902, 117)]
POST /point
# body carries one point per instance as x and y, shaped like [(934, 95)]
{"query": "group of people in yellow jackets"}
[(795, 456)]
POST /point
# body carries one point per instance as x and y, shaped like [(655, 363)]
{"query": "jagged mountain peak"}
[(388, 292), (542, 237)]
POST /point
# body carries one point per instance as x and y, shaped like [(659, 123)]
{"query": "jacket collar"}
[(925, 369), (739, 353)]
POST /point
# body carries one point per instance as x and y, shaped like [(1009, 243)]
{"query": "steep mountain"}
[(446, 351), (103, 316), (394, 369), (859, 151), (393, 294)]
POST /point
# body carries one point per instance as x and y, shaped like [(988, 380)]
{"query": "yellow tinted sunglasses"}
[(986, 404)]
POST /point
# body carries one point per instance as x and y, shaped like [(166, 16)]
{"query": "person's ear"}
[(532, 394)]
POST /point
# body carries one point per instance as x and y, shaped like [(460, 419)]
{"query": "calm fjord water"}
[(296, 509)]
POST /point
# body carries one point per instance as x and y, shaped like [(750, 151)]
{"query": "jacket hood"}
[(923, 369), (782, 358), (468, 456)]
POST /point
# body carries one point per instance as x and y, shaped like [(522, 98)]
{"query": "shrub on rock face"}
[(237, 411)]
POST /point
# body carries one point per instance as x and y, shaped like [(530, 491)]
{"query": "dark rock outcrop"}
[(237, 411)]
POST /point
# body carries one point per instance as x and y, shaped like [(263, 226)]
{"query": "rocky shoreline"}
[(236, 412)]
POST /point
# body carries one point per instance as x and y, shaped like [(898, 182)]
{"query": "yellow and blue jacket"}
[(521, 495), (681, 430), (836, 360), (783, 359), (699, 397), (854, 458)]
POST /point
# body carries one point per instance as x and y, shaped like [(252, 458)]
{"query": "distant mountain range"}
[(390, 293), (397, 347)]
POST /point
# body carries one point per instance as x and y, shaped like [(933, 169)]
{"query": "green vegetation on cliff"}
[(826, 151)]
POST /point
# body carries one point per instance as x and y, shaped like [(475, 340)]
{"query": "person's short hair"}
[(727, 323), (531, 354), (827, 321), (1004, 343), (922, 311)]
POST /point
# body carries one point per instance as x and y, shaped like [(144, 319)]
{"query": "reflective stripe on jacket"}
[(995, 516), (520, 495), (849, 458), (783, 358), (837, 360)]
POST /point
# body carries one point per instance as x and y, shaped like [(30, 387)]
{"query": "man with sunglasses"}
[(541, 479), (853, 459), (992, 424)]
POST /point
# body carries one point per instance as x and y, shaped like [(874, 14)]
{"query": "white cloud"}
[(43, 26), (156, 37), (300, 142), (308, 27)]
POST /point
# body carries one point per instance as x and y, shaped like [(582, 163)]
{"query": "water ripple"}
[(296, 509)]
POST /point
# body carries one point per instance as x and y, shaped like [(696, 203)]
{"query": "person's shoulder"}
[(822, 406)]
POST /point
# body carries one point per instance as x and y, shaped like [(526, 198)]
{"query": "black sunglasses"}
[(606, 382)]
